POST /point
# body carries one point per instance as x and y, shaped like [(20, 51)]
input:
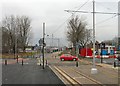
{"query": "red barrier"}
[(84, 52)]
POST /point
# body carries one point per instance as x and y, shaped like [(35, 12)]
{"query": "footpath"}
[(28, 74)]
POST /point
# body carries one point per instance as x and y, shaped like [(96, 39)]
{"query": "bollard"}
[(55, 57), (5, 62), (22, 62), (101, 59), (40, 62), (114, 64), (46, 63), (77, 64), (17, 59)]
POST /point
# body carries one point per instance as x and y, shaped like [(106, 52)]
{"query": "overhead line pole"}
[(93, 70), (93, 34)]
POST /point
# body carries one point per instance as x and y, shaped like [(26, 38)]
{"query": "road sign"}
[(41, 42)]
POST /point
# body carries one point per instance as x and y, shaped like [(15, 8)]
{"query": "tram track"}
[(93, 80), (69, 79), (72, 80)]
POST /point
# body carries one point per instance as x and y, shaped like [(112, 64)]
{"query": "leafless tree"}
[(77, 31), (5, 40), (8, 28), (15, 31), (24, 29)]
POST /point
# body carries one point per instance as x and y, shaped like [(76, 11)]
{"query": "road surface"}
[(30, 73)]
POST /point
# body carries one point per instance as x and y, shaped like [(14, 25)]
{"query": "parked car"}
[(68, 57)]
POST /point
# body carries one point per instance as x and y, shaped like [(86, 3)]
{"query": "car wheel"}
[(62, 59), (74, 59)]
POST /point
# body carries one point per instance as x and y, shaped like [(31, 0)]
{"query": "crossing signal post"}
[(102, 46), (43, 42)]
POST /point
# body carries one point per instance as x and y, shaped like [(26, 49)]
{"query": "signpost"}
[(43, 42), (102, 46)]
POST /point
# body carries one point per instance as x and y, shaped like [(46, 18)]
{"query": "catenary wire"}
[(70, 16)]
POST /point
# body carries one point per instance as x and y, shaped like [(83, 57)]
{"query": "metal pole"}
[(52, 40), (14, 43), (43, 42), (86, 43), (94, 70), (101, 54), (58, 43), (93, 33), (118, 25), (86, 49), (76, 49)]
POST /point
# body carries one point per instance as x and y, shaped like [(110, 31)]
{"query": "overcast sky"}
[(52, 13)]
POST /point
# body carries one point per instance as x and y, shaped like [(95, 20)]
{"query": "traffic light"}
[(103, 45), (33, 47), (99, 45)]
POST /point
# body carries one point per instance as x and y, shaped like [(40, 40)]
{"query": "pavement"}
[(28, 74), (105, 65)]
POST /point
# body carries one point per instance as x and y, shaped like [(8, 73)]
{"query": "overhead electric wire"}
[(116, 14), (104, 6), (106, 20), (83, 5), (59, 27), (70, 17), (87, 12), (91, 12)]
